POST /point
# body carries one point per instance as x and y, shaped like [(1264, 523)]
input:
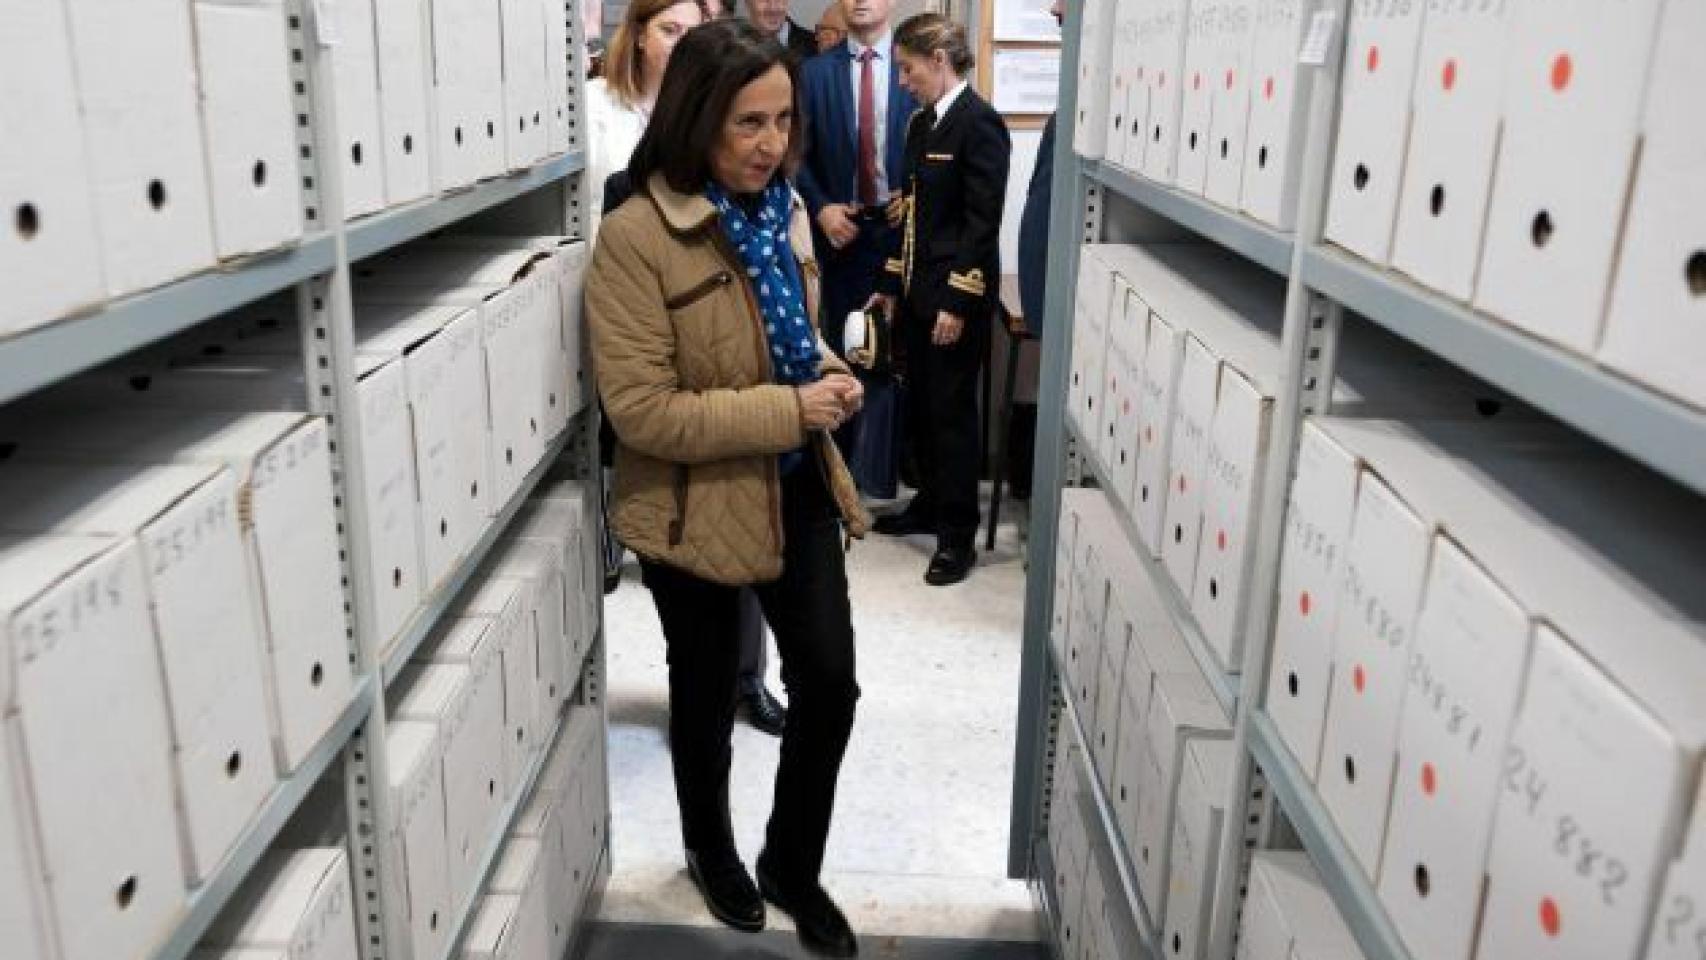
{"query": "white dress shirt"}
[(880, 67), (947, 102), (614, 131)]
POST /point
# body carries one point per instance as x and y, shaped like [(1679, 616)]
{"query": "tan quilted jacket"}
[(684, 369)]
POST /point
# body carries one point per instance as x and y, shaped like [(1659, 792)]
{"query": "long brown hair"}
[(623, 61)]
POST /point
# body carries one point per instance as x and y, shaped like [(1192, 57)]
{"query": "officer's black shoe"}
[(728, 890), (950, 565), (823, 928), (763, 710)]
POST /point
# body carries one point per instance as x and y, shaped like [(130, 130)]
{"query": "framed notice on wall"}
[(1024, 21), (1026, 81)]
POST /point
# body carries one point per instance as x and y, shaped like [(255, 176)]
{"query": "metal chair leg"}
[(1004, 438)]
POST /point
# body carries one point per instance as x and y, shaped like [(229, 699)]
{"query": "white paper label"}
[(1321, 27), (326, 22)]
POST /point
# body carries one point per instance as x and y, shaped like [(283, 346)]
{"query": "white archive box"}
[(525, 136), (1374, 126), (444, 694), (443, 367), (250, 124), (538, 822), (1656, 328), (1100, 886), (1187, 457), (296, 901), (522, 873), (1279, 111), (1448, 171), (1127, 353), (559, 526), (1678, 928), (1385, 564), (1163, 364), (467, 40), (477, 643), (137, 93), (1089, 340), (83, 701), (1317, 527), (1289, 914), (45, 175), (1181, 710), (283, 467), (418, 867), (1125, 69), (355, 84), (541, 564), (1116, 387), (1466, 666), (1229, 114), (1104, 725), (1233, 470), (1164, 61), (1204, 782), (562, 501), (1577, 71), (1095, 51), (185, 520), (1134, 22), (1090, 601), (508, 602), (496, 931), (23, 910), (1202, 40), (401, 41)]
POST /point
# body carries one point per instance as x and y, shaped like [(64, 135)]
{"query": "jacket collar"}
[(681, 212)]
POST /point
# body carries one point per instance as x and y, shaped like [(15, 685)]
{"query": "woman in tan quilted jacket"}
[(701, 296)]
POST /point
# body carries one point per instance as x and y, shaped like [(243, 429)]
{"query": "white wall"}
[(1018, 183)]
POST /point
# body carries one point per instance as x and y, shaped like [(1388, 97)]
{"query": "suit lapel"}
[(846, 104)]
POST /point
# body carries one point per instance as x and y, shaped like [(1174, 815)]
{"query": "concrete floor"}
[(919, 847)]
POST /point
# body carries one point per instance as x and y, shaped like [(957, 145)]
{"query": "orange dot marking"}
[(1359, 679), (1304, 603), (1430, 781), (1563, 68), (1229, 77), (1448, 76), (1221, 539), (1373, 59), (1551, 919), (1268, 88)]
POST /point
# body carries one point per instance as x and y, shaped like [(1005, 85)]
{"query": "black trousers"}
[(811, 618), (943, 420)]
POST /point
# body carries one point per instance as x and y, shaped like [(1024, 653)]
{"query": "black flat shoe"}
[(950, 565), (823, 928), (729, 891), (903, 524), (763, 710)]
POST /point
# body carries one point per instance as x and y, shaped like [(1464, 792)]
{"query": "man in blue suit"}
[(856, 113)]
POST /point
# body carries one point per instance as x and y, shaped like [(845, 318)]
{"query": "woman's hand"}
[(822, 404), (948, 329), (852, 395), (837, 222)]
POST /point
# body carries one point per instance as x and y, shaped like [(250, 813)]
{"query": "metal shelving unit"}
[(1662, 433), (1251, 238), (207, 900), (317, 270), (432, 610)]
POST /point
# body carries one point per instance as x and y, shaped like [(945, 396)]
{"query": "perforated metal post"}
[(576, 198)]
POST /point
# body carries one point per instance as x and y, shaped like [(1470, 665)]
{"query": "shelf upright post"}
[(1075, 217), (576, 198), (1308, 348)]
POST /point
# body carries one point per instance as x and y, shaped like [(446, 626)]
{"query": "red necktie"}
[(867, 130)]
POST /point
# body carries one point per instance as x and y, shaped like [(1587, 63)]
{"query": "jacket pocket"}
[(678, 526), (700, 290)]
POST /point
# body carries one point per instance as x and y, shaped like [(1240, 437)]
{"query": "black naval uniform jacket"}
[(947, 254)]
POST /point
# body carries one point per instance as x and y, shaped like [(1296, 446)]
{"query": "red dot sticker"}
[(1373, 59), (1230, 75), (1181, 483), (1359, 679), (1220, 540), (1551, 919), (1304, 603), (1563, 68), (1430, 781), (1448, 75), (1196, 81), (1268, 88)]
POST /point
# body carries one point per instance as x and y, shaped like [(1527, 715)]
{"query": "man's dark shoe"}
[(728, 891), (823, 928), (950, 565), (903, 524), (763, 710)]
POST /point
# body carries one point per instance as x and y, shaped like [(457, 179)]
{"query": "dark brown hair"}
[(709, 68), (927, 33)]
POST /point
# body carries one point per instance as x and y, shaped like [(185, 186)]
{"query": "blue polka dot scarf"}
[(762, 242)]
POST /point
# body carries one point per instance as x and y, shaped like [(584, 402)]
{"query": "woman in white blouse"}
[(620, 104)]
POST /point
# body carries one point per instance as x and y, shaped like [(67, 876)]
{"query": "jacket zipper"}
[(773, 473), (699, 292)]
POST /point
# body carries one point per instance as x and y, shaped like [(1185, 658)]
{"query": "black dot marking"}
[(27, 220), (1543, 229), (1436, 199), (317, 675), (126, 894), (355, 153), (1423, 883), (1696, 273), (1262, 158), (156, 194), (259, 174), (1350, 769), (408, 143), (1360, 178), (1291, 682), (234, 765)]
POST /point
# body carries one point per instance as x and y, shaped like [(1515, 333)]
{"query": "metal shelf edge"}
[(432, 610), (1340, 872), (1110, 833), (1225, 685), (1230, 229), (390, 228), (206, 902), (1042, 857), (39, 357), (1664, 434), (494, 847)]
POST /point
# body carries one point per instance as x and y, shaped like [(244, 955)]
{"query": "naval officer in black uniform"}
[(942, 280)]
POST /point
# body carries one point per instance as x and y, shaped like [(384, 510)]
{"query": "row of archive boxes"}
[(1488, 656), (297, 904), (1174, 374), (149, 139), (1160, 744), (1204, 95), (127, 544), (1092, 921), (468, 357), (1536, 158)]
